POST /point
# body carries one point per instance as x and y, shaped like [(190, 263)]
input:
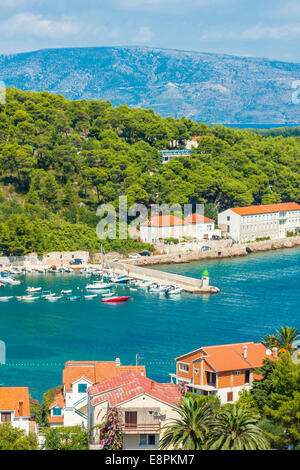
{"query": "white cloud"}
[(171, 5), (260, 31), (37, 25), (143, 35)]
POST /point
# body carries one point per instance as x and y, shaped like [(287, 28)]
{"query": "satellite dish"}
[(268, 352)]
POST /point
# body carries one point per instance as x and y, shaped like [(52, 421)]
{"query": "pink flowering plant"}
[(111, 436)]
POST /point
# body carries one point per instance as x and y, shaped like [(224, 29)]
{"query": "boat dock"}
[(187, 284)]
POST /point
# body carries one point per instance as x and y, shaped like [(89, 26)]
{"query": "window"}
[(184, 367), (56, 411), (130, 419), (229, 396), (147, 440), (237, 372), (5, 417), (82, 388), (228, 217)]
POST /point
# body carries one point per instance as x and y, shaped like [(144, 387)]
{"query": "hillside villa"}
[(221, 371), (69, 407), (266, 221), (146, 406), (15, 408), (162, 227)]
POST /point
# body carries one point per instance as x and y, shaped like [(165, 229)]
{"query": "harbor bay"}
[(258, 294)]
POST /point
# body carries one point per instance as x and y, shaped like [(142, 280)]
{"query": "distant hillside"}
[(212, 88)]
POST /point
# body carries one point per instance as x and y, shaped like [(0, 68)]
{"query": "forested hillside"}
[(60, 159)]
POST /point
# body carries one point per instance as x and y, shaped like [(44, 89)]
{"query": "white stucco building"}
[(15, 407), (69, 407), (162, 227), (250, 223), (145, 405)]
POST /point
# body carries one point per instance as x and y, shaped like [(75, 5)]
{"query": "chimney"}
[(152, 385), (117, 362), (245, 348), (275, 353), (20, 407)]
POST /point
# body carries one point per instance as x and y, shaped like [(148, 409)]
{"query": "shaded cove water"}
[(259, 293)]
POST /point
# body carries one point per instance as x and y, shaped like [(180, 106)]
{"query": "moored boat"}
[(116, 299)]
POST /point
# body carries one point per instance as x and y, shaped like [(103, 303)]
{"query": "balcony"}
[(143, 428)]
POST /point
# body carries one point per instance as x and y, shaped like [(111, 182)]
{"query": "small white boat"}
[(109, 294), (47, 294), (99, 285), (33, 289), (7, 280), (41, 270), (5, 299), (133, 288), (173, 290), (66, 291), (91, 296), (54, 298), (69, 270), (27, 298)]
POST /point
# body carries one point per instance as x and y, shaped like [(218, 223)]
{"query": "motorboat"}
[(66, 291), (74, 297), (7, 280), (27, 298), (173, 290), (54, 298), (46, 294), (99, 285), (90, 296), (121, 280), (33, 289), (116, 299), (5, 299)]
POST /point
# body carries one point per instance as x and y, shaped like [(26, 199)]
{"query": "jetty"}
[(187, 284)]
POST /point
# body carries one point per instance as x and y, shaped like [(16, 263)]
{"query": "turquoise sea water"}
[(259, 293)]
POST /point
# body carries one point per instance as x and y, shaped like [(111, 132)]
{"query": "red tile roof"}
[(59, 400), (229, 356), (267, 208), (163, 221), (130, 385), (94, 371), (197, 219), (55, 419), (15, 398)]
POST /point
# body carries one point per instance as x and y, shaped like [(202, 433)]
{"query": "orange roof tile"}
[(55, 419), (126, 386), (59, 400), (94, 371), (229, 356), (15, 398), (163, 221), (266, 209), (197, 219)]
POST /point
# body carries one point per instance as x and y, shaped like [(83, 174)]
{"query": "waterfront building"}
[(266, 221), (162, 227), (69, 407), (146, 406), (15, 408), (221, 371)]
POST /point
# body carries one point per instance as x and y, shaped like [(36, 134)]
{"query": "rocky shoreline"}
[(226, 252)]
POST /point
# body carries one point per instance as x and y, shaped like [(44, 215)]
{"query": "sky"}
[(251, 28)]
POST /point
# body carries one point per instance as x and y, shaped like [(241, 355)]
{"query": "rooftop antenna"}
[(138, 359)]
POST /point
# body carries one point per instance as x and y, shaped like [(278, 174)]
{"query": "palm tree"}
[(189, 431), (235, 428), (270, 341), (286, 336)]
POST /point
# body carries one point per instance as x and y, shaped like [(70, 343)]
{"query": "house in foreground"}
[(15, 408), (69, 407), (221, 371), (145, 405), (272, 221)]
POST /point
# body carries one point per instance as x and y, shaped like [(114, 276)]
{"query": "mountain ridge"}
[(214, 88)]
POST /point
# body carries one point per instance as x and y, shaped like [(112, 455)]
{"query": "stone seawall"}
[(226, 252)]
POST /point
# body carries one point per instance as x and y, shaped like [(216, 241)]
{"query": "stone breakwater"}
[(187, 284), (224, 252)]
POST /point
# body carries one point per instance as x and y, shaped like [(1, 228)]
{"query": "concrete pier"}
[(187, 284)]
